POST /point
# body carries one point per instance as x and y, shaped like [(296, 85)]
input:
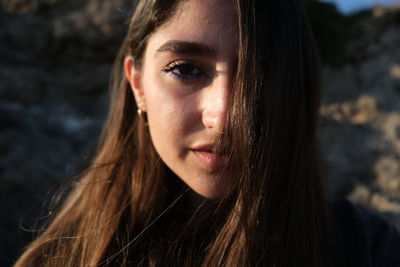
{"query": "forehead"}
[(216, 13), (211, 22)]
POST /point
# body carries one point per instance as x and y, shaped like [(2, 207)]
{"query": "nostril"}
[(213, 120)]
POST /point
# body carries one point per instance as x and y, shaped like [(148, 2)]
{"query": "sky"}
[(349, 6)]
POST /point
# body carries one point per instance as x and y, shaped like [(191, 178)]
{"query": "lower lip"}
[(211, 160)]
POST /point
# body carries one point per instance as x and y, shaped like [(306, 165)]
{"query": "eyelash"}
[(172, 67)]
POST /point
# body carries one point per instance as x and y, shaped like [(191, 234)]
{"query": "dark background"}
[(55, 59)]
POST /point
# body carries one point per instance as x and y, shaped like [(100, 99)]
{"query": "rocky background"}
[(55, 59), (360, 116)]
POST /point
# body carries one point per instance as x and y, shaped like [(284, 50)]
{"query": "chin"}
[(213, 192), (213, 185)]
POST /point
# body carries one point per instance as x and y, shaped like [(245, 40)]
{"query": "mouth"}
[(207, 156)]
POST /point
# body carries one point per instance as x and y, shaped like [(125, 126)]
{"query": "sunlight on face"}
[(187, 73)]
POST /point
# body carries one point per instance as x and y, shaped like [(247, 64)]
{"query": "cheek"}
[(170, 113)]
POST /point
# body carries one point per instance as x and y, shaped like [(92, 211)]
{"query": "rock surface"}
[(360, 118), (55, 58)]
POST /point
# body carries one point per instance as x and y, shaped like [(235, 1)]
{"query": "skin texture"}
[(183, 85)]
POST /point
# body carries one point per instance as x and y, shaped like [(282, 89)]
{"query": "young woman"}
[(208, 157)]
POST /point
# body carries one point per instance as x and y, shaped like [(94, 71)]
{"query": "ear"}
[(133, 76)]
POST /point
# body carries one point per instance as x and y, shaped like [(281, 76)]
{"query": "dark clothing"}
[(364, 239)]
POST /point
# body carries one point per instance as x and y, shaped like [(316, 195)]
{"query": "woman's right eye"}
[(185, 70)]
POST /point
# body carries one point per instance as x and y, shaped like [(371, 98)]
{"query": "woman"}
[(208, 157)]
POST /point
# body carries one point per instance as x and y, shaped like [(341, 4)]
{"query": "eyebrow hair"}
[(183, 47)]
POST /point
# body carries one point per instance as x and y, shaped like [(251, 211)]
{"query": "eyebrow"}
[(189, 48)]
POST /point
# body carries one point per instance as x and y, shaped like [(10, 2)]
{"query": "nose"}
[(215, 103)]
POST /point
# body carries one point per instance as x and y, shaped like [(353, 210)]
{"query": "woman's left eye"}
[(185, 70)]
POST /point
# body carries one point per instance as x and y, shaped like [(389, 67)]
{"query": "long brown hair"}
[(128, 208)]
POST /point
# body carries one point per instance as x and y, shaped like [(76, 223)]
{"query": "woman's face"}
[(183, 85)]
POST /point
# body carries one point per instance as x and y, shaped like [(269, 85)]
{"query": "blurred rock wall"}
[(360, 117), (55, 59)]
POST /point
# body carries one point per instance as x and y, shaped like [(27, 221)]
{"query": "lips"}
[(208, 158)]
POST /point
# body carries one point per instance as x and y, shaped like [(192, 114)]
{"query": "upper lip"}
[(204, 147), (210, 148)]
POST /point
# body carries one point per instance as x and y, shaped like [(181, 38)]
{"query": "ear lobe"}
[(133, 76)]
